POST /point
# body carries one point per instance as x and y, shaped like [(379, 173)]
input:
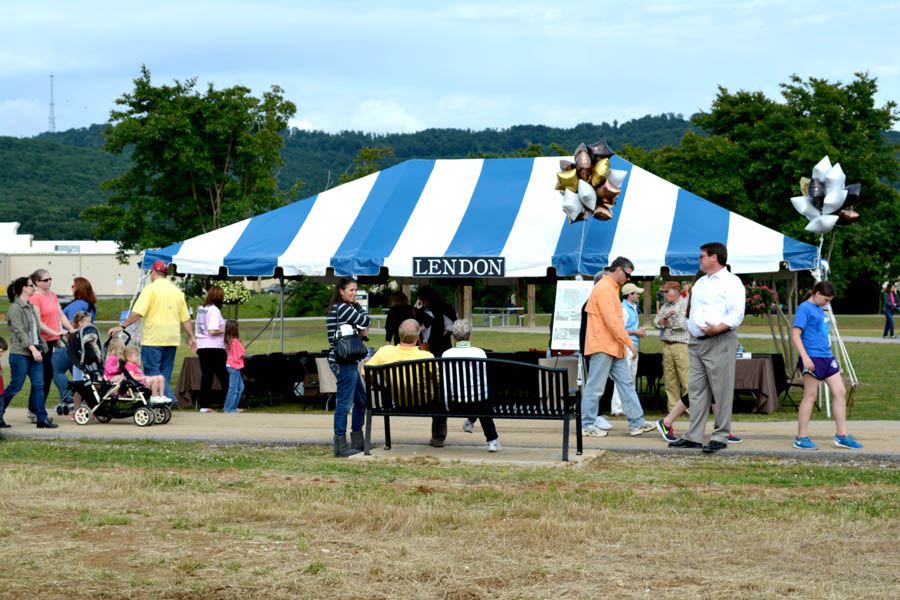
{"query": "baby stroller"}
[(105, 399)]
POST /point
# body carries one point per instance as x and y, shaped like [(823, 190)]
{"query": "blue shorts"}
[(823, 367)]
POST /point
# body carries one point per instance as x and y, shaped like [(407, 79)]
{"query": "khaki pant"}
[(676, 369), (712, 380)]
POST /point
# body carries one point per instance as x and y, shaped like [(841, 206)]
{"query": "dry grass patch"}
[(306, 526)]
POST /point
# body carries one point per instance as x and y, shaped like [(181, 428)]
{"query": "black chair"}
[(783, 383), (650, 372), (256, 383)]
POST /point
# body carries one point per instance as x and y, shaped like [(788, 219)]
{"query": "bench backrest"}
[(469, 387)]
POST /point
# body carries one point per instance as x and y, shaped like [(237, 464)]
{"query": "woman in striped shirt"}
[(345, 310)]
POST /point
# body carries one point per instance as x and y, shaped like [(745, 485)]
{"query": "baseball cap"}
[(630, 288), (670, 285), (160, 266)]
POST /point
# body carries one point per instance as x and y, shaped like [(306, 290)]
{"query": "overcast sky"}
[(404, 66)]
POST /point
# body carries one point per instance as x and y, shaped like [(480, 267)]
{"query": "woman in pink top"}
[(234, 365), (209, 329), (53, 323)]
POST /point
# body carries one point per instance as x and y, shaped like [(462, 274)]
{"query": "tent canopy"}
[(483, 208)]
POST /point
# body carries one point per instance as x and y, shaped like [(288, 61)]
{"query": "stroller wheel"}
[(144, 417), (83, 415), (59, 410), (103, 418), (163, 414)]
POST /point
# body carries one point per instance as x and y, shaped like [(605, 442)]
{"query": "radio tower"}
[(52, 116)]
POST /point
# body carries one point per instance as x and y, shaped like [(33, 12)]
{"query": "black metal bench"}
[(470, 387)]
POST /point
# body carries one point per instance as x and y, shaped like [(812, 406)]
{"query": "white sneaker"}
[(469, 427), (593, 431), (493, 445), (645, 428), (31, 416), (159, 400), (601, 423)]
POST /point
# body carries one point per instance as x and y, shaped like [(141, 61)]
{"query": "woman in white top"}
[(209, 329)]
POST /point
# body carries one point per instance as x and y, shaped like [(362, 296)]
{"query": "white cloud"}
[(304, 124), (20, 117), (384, 116)]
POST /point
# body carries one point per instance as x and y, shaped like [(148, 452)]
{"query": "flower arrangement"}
[(235, 291), (760, 299)]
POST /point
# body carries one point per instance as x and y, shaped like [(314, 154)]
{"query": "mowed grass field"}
[(181, 520)]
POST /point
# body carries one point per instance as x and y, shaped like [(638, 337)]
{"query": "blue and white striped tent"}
[(483, 208)]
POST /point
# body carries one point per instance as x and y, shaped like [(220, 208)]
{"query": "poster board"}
[(570, 297)]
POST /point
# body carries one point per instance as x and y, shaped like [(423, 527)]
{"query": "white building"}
[(21, 255)]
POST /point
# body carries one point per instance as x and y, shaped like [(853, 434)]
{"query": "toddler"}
[(156, 383), (114, 353), (234, 364)]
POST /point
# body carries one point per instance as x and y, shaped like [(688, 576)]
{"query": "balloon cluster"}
[(589, 186), (825, 200)]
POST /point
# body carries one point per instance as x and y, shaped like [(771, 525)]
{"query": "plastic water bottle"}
[(740, 349)]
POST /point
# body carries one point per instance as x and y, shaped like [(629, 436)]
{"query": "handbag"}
[(348, 349)]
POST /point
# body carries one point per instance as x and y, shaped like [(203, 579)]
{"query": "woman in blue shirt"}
[(84, 301), (811, 336)]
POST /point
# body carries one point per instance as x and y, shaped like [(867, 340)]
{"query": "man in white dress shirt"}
[(716, 309)]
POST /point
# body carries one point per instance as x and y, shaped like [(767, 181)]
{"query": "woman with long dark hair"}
[(345, 314), (26, 352), (209, 330)]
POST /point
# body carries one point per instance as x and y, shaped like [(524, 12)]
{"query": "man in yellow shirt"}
[(604, 345), (162, 307), (406, 350)]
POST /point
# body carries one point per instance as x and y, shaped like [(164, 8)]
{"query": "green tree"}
[(755, 150), (201, 161), (367, 162)]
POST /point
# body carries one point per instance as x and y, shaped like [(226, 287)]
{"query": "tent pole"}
[(281, 305), (532, 310), (467, 302)]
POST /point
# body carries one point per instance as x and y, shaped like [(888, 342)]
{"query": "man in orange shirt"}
[(604, 345)]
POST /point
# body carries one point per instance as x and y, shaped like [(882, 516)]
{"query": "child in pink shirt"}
[(234, 364), (111, 369)]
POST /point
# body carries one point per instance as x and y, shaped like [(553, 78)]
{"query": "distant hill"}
[(47, 180), (45, 185)]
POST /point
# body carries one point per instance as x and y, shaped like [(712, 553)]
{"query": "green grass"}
[(193, 459)]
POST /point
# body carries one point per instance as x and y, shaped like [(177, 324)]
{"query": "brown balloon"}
[(583, 160), (603, 213), (600, 150), (600, 172), (608, 192), (567, 180), (566, 165), (584, 174), (847, 216)]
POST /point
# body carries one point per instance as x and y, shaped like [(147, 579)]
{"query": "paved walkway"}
[(524, 442)]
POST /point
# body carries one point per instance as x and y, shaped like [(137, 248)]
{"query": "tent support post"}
[(467, 302), (532, 294), (281, 309), (646, 301)]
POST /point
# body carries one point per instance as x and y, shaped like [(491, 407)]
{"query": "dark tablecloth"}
[(757, 375), (189, 381)]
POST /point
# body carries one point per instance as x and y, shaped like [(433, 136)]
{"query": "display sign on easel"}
[(570, 297)]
